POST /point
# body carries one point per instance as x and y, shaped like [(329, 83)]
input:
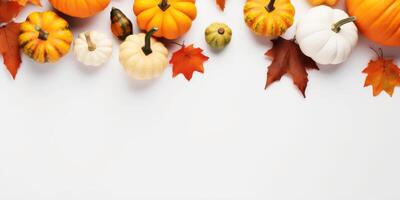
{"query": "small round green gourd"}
[(218, 35)]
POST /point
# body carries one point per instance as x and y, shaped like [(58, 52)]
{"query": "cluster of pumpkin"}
[(325, 34), (46, 37)]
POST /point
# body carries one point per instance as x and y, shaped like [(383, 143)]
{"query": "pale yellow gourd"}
[(218, 35), (142, 56)]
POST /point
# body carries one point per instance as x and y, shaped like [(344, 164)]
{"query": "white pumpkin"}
[(327, 35), (93, 48), (142, 56)]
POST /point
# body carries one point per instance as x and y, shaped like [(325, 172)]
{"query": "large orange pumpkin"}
[(80, 8), (173, 18), (378, 20)]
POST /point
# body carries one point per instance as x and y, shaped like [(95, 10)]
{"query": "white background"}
[(72, 132)]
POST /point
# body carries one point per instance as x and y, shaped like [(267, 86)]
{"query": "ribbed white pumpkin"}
[(143, 57), (327, 35), (93, 48)]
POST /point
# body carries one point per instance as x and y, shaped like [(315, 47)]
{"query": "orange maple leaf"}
[(288, 58), (221, 4), (187, 60), (383, 75), (8, 10), (24, 2), (9, 47)]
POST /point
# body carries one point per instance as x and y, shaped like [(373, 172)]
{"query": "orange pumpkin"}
[(173, 18), (80, 8), (378, 20), (323, 2), (269, 18), (45, 37)]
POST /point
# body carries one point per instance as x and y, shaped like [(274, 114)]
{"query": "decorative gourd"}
[(269, 18), (45, 36), (327, 35), (173, 18), (121, 26), (378, 20), (323, 2), (218, 35), (80, 8), (142, 56), (92, 48)]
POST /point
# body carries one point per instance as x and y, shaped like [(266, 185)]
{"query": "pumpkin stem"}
[(337, 26), (43, 35), (91, 45), (164, 5), (271, 6), (147, 42), (379, 52), (221, 31), (176, 43)]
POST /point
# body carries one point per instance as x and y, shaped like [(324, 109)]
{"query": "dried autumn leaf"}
[(187, 60), (383, 75), (288, 58), (8, 10), (24, 2), (221, 4), (9, 47)]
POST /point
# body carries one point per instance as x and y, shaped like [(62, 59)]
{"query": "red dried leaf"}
[(24, 2), (9, 10), (9, 47), (221, 4), (187, 60), (288, 58)]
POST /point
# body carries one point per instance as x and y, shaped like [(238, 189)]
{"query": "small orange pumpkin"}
[(378, 20), (270, 18), (80, 8), (173, 18), (45, 37)]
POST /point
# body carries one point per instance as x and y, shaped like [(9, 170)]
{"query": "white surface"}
[(70, 132)]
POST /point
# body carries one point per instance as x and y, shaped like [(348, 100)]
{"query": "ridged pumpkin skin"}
[(93, 48), (218, 35), (378, 20), (266, 20), (45, 37), (173, 18), (323, 2), (80, 8), (138, 63), (327, 35)]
